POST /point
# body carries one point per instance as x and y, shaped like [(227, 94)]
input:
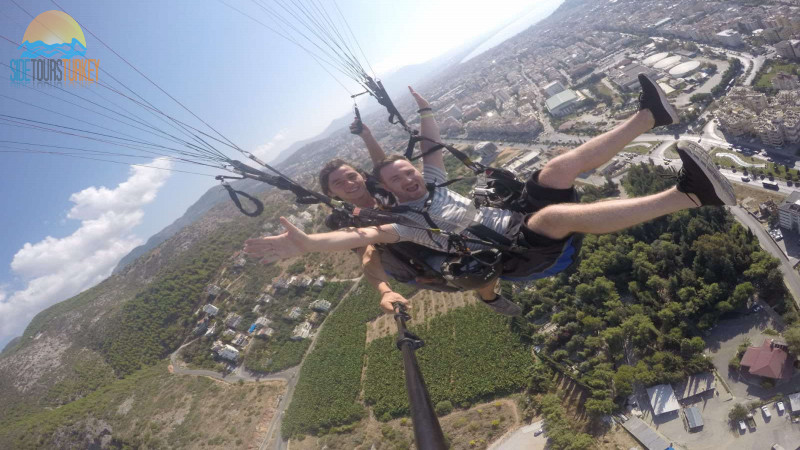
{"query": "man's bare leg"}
[(560, 220), (561, 172)]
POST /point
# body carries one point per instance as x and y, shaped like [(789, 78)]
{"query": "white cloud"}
[(264, 151), (55, 269)]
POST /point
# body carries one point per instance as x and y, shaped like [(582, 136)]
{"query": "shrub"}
[(444, 408), (737, 413)]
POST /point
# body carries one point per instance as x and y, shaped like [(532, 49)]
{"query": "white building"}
[(562, 103), (210, 309), (229, 352), (320, 305), (789, 212), (301, 331), (662, 399), (730, 37), (794, 403)]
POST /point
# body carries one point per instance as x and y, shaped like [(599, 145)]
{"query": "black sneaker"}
[(504, 306), (653, 98), (699, 176)]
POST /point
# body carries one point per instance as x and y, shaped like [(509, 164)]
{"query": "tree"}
[(792, 336), (640, 329), (693, 346), (540, 378), (741, 294), (296, 267), (737, 413), (623, 380), (599, 407)]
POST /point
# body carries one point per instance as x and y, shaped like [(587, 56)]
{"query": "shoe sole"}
[(722, 187), (673, 113)]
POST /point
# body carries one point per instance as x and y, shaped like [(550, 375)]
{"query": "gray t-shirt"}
[(453, 213)]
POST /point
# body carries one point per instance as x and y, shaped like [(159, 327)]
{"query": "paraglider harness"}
[(413, 255), (504, 191)]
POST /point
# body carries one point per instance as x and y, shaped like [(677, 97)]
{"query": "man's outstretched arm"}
[(294, 242)]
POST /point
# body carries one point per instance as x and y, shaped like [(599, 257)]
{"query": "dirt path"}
[(517, 422)]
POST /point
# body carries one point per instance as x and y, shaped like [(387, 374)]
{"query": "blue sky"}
[(251, 85)]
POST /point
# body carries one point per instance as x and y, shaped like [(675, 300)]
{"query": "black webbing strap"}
[(304, 196), (475, 167), (487, 234), (234, 194), (412, 142)]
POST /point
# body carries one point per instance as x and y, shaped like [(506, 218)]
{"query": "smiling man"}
[(406, 262)]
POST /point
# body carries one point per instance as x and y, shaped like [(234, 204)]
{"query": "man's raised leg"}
[(699, 184), (560, 220), (561, 171), (654, 110)]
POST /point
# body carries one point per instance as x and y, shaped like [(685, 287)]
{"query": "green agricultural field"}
[(327, 392), (470, 355)]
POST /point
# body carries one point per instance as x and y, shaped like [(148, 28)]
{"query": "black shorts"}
[(544, 256)]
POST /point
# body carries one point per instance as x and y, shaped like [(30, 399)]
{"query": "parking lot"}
[(717, 432)]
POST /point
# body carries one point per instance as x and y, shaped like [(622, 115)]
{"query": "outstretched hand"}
[(293, 242), (421, 102)]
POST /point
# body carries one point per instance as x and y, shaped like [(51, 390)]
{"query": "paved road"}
[(522, 439), (790, 276), (239, 374)]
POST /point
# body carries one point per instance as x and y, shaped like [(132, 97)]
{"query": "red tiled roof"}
[(766, 361)]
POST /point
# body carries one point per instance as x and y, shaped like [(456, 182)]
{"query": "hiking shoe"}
[(504, 306), (654, 99), (699, 176)]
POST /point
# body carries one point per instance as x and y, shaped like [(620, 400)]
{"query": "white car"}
[(742, 426), (538, 432), (780, 407), (765, 411)]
